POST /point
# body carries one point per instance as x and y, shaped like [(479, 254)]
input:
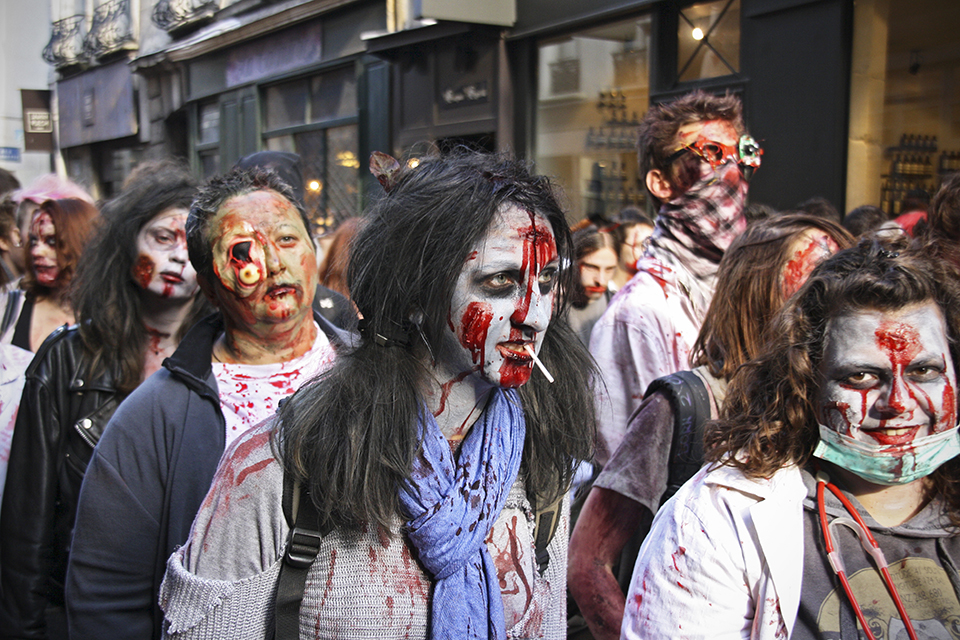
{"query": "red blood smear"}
[(539, 248), (154, 340), (474, 326), (949, 419), (796, 271), (901, 343), (657, 272), (445, 391), (263, 464), (679, 552), (143, 271), (515, 372)]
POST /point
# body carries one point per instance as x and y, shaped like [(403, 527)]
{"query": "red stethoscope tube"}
[(869, 544)]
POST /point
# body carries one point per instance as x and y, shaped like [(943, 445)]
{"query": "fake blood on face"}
[(539, 249), (473, 329), (888, 377), (503, 300), (143, 271), (901, 343)]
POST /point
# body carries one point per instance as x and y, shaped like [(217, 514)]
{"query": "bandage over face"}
[(888, 464)]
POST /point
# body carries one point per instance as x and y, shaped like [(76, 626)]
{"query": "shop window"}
[(587, 121), (208, 138), (316, 117), (285, 105), (708, 40), (333, 95), (918, 142)]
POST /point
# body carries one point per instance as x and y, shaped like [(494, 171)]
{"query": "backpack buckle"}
[(303, 548)]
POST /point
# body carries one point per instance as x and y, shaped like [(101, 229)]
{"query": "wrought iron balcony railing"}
[(66, 42), (171, 15), (111, 30)]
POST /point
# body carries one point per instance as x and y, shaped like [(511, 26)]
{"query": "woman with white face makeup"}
[(57, 232), (829, 509), (430, 449), (135, 294)]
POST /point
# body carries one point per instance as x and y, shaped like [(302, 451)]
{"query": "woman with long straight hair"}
[(428, 450)]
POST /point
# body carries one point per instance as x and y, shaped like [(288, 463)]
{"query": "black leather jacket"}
[(61, 417)]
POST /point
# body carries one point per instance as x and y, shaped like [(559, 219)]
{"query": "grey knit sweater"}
[(221, 584)]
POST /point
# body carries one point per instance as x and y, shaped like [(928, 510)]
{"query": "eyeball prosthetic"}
[(249, 275), (247, 270)]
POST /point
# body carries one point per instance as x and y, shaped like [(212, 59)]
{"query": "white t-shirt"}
[(250, 393)]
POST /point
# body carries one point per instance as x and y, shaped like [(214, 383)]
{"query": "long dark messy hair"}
[(769, 416), (105, 296), (352, 436), (750, 290)]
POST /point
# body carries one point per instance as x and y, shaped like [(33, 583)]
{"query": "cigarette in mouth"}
[(538, 363)]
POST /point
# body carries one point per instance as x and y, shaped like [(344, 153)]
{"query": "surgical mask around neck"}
[(888, 464)]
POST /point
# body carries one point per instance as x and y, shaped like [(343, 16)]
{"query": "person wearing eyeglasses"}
[(696, 160)]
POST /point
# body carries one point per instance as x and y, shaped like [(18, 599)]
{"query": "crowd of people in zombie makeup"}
[(472, 419)]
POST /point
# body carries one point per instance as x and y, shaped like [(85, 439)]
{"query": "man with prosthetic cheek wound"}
[(249, 241)]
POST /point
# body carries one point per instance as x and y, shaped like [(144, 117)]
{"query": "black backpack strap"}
[(303, 545), (546, 522), (690, 401)]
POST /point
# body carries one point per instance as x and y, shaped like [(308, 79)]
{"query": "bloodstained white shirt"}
[(250, 393)]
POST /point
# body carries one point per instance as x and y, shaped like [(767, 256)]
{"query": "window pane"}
[(285, 105), (281, 143), (209, 164), (209, 123), (342, 174), (593, 86), (333, 95), (708, 37), (310, 146)]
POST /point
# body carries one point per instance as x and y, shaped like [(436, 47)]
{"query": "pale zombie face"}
[(504, 299), (887, 376), (811, 248), (43, 249), (162, 265), (264, 259), (596, 271)]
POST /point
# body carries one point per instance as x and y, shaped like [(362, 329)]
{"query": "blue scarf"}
[(452, 506)]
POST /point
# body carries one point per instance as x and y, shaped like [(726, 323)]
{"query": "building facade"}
[(24, 76), (858, 103)]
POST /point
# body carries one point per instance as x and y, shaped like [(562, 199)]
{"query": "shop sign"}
[(9, 154), (464, 95), (38, 121)]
